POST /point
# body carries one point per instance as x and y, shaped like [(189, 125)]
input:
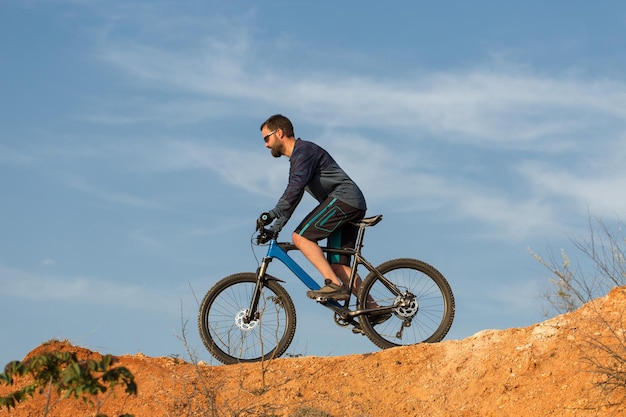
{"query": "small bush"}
[(600, 267), (68, 377)]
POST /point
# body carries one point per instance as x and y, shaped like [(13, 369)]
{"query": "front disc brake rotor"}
[(241, 323)]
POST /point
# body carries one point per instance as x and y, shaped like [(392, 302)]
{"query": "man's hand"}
[(263, 220)]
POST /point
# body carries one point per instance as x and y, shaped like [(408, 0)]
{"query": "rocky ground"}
[(561, 367)]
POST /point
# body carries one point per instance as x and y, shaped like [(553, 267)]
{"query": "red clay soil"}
[(552, 368)]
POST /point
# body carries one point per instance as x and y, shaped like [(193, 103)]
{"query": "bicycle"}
[(249, 317)]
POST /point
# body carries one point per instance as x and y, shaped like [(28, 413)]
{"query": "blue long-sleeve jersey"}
[(313, 170)]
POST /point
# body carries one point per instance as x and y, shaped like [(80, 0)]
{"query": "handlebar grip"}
[(264, 219)]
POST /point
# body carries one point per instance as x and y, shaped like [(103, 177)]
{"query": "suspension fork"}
[(253, 313)]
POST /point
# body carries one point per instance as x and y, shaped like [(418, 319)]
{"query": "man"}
[(341, 202)]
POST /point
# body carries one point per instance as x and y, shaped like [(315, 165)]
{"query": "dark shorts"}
[(332, 220)]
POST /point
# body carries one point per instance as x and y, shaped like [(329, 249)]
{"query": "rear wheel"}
[(422, 312), (227, 331)]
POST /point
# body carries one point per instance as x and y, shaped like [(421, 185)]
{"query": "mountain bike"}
[(249, 317)]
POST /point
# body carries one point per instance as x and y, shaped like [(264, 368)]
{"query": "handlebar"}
[(265, 235)]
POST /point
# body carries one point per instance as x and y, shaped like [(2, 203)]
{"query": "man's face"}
[(273, 141)]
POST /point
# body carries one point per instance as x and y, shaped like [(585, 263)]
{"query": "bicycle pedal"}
[(358, 330)]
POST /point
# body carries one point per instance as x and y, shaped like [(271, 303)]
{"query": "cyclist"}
[(341, 202)]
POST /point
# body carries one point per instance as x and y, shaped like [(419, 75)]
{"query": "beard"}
[(277, 150)]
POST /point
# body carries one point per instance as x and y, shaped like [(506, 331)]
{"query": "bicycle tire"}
[(228, 338), (427, 320)]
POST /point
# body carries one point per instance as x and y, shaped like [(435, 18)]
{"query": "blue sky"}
[(132, 167)]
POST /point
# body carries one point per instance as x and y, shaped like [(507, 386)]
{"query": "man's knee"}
[(297, 239)]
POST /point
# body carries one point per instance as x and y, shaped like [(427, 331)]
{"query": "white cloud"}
[(11, 156), (500, 107), (511, 111), (33, 286), (115, 197), (409, 182), (404, 181), (514, 219), (600, 191), (479, 107), (253, 171)]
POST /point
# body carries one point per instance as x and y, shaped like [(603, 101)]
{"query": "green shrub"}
[(68, 377)]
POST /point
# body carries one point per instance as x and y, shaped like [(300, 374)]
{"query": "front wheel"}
[(231, 335), (420, 301)]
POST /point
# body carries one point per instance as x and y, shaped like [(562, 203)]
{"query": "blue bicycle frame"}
[(276, 251), (279, 251)]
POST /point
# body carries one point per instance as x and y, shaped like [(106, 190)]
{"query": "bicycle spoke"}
[(423, 311), (231, 335)]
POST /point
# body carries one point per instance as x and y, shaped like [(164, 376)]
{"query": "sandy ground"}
[(548, 369)]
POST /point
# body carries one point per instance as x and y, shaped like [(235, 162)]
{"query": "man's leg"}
[(314, 254), (346, 238), (329, 216), (333, 288), (317, 225), (343, 272)]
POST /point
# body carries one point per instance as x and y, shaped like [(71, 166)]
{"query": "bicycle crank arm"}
[(343, 316)]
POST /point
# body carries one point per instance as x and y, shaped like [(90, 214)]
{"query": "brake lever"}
[(265, 235)]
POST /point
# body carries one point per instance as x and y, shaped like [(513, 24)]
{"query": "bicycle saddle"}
[(370, 221)]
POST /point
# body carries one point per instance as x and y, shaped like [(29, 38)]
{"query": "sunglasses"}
[(266, 138)]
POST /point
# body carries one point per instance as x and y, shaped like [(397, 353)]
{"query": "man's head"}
[(278, 135)]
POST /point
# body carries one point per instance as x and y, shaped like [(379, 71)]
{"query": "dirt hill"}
[(554, 368)]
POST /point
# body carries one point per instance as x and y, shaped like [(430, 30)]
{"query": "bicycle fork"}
[(253, 313)]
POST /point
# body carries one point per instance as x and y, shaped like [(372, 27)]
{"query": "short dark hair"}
[(278, 121)]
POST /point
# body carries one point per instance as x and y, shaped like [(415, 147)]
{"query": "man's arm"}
[(302, 169)]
